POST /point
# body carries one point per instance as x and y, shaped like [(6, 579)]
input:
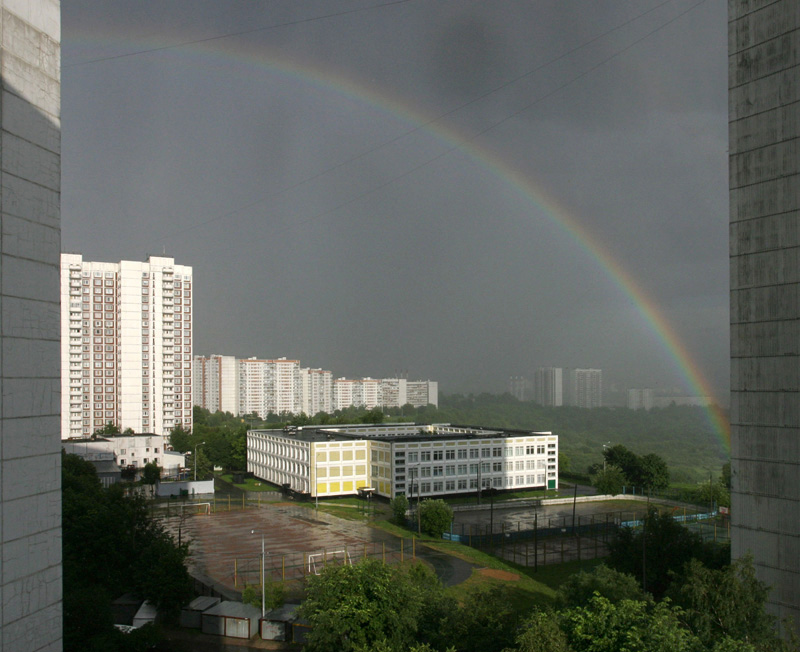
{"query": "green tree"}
[(399, 505), (725, 476), (111, 546), (541, 633), (110, 428), (626, 461), (487, 620), (180, 439), (375, 415), (205, 468), (708, 493), (653, 472), (608, 481), (151, 473), (356, 607), (658, 550), (726, 604), (578, 589), (604, 626), (274, 595), (435, 516)]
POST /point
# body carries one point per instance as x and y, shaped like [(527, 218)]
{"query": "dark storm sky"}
[(285, 162)]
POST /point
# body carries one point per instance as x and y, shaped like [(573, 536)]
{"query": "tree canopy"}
[(110, 547)]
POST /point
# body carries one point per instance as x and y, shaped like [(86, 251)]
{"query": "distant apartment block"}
[(549, 386), (260, 386), (216, 383), (641, 399), (317, 391), (30, 223), (361, 392), (126, 345), (269, 386), (420, 393), (411, 459), (521, 388), (584, 387)]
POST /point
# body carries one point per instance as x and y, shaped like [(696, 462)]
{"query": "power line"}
[(245, 32)]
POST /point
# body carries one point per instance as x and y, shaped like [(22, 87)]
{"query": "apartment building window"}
[(425, 456), (413, 457), (497, 467), (438, 471), (450, 469), (462, 469), (437, 486), (437, 455), (425, 472), (497, 451), (426, 487), (450, 455), (474, 453), (462, 453), (462, 484)]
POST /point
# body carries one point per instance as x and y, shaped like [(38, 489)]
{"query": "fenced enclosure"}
[(219, 502), (296, 566), (555, 540)]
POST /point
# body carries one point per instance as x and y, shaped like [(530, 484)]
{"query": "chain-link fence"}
[(296, 566), (555, 540)]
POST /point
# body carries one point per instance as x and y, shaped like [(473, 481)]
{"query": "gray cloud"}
[(317, 230)]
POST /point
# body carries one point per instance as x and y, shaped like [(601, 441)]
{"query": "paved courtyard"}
[(226, 547)]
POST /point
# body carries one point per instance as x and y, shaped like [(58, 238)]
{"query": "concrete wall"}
[(764, 91), (30, 239)]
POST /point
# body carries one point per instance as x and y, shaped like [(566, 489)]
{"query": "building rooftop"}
[(411, 432)]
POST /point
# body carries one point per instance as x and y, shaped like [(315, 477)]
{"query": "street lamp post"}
[(202, 443), (263, 578), (606, 445)]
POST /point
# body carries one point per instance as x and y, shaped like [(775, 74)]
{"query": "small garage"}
[(277, 623), (191, 614), (147, 614), (232, 619)]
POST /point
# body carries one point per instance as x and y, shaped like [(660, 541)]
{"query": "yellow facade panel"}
[(347, 486)]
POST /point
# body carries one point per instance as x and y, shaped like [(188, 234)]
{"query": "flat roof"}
[(396, 432)]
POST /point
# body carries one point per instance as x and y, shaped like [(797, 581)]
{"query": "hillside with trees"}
[(680, 435)]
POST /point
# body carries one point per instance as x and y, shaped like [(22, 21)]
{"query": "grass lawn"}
[(249, 484), (351, 509), (527, 588)]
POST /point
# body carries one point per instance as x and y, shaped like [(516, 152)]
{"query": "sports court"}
[(226, 546)]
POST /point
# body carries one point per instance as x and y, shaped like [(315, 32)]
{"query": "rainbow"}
[(208, 52)]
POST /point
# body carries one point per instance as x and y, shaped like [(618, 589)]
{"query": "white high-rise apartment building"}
[(316, 391), (420, 393), (282, 385), (549, 386), (126, 345), (394, 392), (362, 392), (585, 387), (269, 386), (216, 383)]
